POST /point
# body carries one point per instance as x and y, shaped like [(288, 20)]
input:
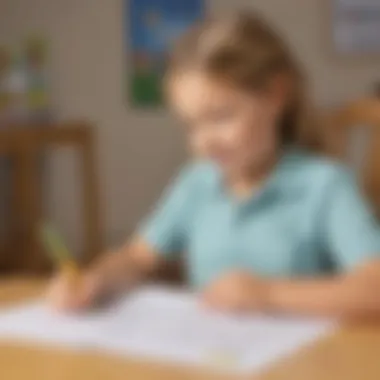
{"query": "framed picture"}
[(24, 83), (356, 27), (152, 26)]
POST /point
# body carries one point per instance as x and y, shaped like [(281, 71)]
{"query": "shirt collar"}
[(279, 184)]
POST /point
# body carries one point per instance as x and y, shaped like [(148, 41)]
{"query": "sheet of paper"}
[(36, 322), (169, 325)]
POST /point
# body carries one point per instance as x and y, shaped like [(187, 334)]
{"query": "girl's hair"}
[(244, 51)]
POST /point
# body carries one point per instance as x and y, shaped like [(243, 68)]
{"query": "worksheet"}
[(169, 325)]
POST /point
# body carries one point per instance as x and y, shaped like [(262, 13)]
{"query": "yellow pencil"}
[(58, 251)]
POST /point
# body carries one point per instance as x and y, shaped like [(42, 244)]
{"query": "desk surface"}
[(350, 354)]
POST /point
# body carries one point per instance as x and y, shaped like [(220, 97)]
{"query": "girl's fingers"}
[(208, 298), (214, 300), (66, 295), (222, 301)]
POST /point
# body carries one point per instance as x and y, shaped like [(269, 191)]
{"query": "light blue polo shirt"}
[(309, 218)]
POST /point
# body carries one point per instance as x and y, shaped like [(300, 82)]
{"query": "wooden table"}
[(350, 354)]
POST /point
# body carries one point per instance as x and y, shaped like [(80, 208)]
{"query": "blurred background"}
[(85, 141)]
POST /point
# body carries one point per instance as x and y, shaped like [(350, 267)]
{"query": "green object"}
[(54, 244), (146, 89)]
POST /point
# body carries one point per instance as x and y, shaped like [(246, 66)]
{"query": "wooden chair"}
[(24, 146), (352, 133)]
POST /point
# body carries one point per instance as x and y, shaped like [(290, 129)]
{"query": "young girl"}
[(265, 224)]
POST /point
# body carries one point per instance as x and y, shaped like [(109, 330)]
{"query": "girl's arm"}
[(352, 295), (349, 232), (110, 274), (161, 236), (124, 267)]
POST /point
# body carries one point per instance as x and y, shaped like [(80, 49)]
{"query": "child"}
[(266, 225)]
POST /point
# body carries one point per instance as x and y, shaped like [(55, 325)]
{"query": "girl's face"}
[(235, 129)]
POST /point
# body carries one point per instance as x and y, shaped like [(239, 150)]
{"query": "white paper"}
[(169, 325)]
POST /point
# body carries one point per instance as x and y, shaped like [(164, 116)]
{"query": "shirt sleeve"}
[(166, 228), (352, 234)]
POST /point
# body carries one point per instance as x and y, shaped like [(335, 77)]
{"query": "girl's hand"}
[(67, 293), (237, 292)]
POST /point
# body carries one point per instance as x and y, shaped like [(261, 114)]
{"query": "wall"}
[(138, 150)]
